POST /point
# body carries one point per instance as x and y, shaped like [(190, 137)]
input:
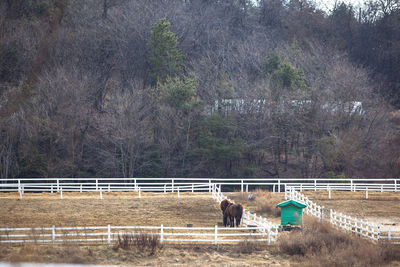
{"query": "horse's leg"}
[(232, 221), (225, 220), (238, 218)]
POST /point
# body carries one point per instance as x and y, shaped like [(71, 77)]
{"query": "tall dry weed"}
[(142, 242), (319, 244)]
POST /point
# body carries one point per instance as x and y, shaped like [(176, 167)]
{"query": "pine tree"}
[(165, 60)]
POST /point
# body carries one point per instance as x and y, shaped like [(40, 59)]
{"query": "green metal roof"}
[(291, 202)]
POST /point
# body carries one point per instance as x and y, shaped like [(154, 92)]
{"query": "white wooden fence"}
[(345, 222), (249, 218), (171, 184), (107, 234)]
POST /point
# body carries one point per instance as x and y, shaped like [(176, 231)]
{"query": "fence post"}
[(140, 196), (58, 185), (381, 188), (101, 193), (395, 185), (109, 234), (247, 188), (20, 192), (209, 186), (178, 193), (172, 185), (162, 234), (216, 234), (301, 187), (279, 185), (351, 185), (51, 188), (285, 192), (269, 236), (109, 188), (241, 185), (53, 233), (165, 188), (135, 184), (80, 189), (366, 193), (97, 185), (315, 184), (378, 234), (329, 194), (61, 196), (273, 188), (192, 188)]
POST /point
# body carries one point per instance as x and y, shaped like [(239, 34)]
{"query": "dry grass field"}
[(116, 208), (315, 245), (86, 209)]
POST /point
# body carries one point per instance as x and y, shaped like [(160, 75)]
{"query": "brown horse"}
[(233, 212), (224, 204)]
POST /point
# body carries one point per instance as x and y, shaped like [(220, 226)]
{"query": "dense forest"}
[(199, 88)]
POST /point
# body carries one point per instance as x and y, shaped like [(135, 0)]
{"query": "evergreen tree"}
[(164, 57)]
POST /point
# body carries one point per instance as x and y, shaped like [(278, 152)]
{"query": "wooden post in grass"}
[(162, 234), (109, 234), (378, 234), (269, 237), (20, 192), (216, 234), (279, 186)]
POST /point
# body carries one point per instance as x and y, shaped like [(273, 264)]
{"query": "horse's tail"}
[(240, 209), (239, 214)]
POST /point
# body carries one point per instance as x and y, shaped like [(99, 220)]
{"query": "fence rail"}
[(157, 184), (107, 234)]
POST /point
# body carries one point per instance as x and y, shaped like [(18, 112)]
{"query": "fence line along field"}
[(380, 208)]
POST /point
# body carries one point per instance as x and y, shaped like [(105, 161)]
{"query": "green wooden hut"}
[(291, 212)]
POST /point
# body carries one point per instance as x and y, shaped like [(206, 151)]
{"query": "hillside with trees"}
[(199, 88)]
